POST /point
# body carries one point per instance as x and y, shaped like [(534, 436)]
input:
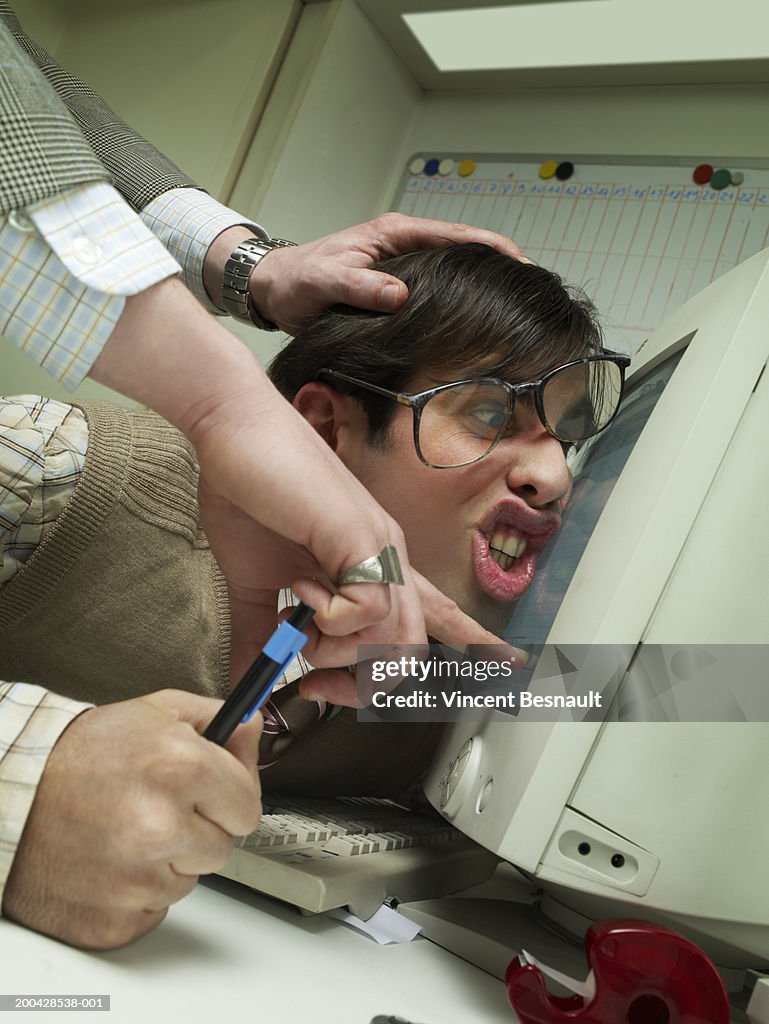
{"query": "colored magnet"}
[(431, 166), (466, 168), (548, 169), (564, 170), (721, 178), (641, 973), (446, 166), (703, 173), (417, 165), (737, 177)]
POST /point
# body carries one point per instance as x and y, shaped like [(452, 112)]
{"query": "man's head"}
[(473, 529)]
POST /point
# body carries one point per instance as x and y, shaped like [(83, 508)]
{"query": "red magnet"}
[(703, 173), (641, 974)]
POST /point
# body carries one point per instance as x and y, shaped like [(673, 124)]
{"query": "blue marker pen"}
[(256, 685)]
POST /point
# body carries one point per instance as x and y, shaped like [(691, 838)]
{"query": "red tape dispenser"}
[(639, 974)]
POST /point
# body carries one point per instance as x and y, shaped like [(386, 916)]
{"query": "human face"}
[(474, 531)]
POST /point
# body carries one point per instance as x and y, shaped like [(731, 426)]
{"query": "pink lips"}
[(535, 527)]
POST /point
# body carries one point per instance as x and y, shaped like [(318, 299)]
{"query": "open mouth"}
[(505, 562), (505, 545)]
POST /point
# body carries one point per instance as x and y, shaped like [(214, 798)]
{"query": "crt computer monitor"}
[(666, 542)]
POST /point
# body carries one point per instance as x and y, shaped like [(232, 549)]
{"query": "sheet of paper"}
[(385, 926)]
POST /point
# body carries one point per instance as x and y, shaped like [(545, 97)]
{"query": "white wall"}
[(346, 135)]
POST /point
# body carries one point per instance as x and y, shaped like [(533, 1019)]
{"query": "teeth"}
[(503, 561), (507, 543), (505, 546)]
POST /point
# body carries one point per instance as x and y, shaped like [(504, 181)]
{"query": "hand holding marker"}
[(260, 678)]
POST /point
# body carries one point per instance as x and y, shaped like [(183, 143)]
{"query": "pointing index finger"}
[(447, 623)]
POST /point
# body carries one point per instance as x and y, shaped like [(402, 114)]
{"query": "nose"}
[(537, 470)]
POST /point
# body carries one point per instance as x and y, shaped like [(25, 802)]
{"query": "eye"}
[(492, 417), (479, 408)]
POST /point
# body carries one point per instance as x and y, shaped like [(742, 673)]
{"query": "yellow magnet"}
[(548, 169)]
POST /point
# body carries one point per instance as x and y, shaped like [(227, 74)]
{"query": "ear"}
[(328, 412)]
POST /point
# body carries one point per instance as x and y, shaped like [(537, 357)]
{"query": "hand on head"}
[(291, 285)]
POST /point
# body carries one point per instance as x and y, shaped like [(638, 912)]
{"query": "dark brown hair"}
[(470, 311)]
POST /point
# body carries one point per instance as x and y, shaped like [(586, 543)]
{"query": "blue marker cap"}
[(260, 678), (285, 643)]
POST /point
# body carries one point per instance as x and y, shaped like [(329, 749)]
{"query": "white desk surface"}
[(225, 954)]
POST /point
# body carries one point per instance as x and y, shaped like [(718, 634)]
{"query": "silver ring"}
[(382, 568)]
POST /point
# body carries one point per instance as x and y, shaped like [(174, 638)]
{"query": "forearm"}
[(168, 354)]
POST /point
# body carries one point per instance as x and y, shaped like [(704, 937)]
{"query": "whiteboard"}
[(639, 236)]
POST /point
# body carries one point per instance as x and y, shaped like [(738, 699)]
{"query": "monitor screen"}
[(595, 474)]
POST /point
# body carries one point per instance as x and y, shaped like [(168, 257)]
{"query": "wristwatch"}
[(237, 270)]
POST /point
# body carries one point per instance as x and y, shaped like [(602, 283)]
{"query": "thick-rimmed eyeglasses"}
[(458, 423)]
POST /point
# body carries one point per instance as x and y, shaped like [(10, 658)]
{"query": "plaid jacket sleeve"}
[(42, 151), (139, 171)]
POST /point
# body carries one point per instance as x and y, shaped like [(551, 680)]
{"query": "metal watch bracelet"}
[(237, 271)]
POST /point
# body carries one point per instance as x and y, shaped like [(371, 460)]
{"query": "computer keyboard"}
[(355, 853)]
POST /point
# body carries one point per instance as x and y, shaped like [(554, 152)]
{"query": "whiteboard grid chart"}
[(639, 237)]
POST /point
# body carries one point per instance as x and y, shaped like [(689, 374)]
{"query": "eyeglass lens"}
[(580, 400), (462, 423)]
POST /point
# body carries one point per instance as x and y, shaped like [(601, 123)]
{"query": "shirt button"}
[(19, 220), (86, 251)]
